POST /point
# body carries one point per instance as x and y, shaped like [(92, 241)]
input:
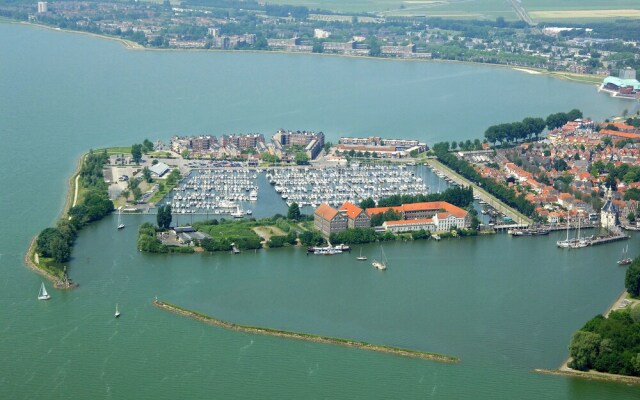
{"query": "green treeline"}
[(93, 205), (458, 196), (505, 194), (529, 127)]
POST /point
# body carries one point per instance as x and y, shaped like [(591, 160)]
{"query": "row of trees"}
[(93, 205), (528, 127), (502, 192), (163, 218), (458, 196)]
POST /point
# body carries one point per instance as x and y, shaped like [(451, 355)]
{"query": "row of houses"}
[(435, 216)]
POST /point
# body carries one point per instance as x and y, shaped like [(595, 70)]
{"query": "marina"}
[(216, 192), (311, 186)]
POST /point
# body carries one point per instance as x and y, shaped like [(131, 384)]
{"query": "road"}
[(483, 194), (521, 12)]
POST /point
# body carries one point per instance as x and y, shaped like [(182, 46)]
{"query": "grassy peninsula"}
[(87, 201), (304, 336)]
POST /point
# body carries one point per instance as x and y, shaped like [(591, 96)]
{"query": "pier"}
[(483, 195)]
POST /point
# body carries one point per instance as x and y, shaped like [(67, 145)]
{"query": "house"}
[(328, 220), (357, 217)]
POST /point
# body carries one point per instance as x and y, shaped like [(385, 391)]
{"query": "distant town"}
[(601, 49)]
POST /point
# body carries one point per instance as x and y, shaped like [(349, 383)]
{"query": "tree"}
[(146, 174), (164, 217), (59, 249), (294, 212), (147, 146), (301, 158), (632, 278), (584, 349), (185, 154), (136, 153), (367, 203)]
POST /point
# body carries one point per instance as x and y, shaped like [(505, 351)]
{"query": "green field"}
[(548, 10), (581, 10), (459, 9)]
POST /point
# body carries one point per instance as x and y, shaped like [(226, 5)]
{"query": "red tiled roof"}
[(326, 211), (410, 221), (352, 210), (620, 134)]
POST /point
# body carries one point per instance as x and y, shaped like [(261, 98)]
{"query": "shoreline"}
[(565, 370), (303, 336), (30, 254), (130, 45)]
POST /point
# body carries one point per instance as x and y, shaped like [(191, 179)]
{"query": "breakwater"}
[(591, 375), (304, 336)]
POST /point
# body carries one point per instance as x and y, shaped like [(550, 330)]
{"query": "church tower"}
[(609, 212)]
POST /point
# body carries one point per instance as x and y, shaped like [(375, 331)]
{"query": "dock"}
[(607, 239), (484, 196)]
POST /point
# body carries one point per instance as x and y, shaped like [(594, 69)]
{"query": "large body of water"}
[(504, 305)]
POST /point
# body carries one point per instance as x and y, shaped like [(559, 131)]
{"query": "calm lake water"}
[(503, 305)]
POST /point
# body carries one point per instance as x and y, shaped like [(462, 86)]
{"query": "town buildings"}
[(311, 142), (385, 148), (329, 220), (435, 216)]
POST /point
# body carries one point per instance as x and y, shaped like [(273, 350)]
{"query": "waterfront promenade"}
[(516, 216)]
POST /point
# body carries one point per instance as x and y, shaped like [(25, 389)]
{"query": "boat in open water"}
[(625, 259), (42, 294), (380, 264)]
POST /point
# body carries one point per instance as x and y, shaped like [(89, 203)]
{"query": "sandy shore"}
[(304, 336)]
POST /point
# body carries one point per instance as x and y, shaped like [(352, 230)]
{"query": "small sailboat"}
[(42, 294), (625, 259), (117, 314), (382, 263), (120, 224), (361, 257)]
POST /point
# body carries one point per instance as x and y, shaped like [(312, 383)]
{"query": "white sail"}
[(42, 294), (117, 314)]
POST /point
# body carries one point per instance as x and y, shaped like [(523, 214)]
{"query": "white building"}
[(609, 213), (43, 7), (321, 33)]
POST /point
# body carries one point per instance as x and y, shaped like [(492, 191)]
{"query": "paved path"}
[(483, 194), (75, 196)]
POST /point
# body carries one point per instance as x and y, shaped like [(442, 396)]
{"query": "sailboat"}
[(120, 224), (361, 257), (625, 259), (117, 314), (382, 263), (565, 243), (42, 294)]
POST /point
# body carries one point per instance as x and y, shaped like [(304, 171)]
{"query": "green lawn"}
[(458, 9)]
